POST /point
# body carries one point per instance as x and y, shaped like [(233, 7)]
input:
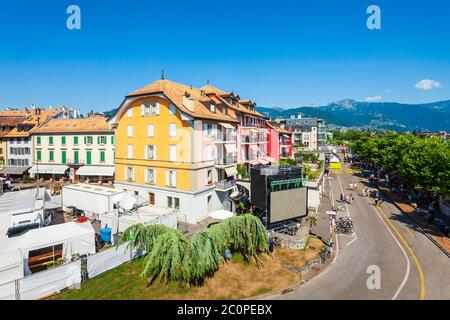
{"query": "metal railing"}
[(225, 184)]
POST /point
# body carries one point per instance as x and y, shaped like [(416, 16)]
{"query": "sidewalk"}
[(429, 230)]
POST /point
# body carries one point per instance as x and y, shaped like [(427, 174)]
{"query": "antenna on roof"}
[(162, 75)]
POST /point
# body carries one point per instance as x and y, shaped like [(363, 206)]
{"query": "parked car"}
[(442, 226)]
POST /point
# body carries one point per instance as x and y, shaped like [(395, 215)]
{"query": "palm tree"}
[(312, 219)]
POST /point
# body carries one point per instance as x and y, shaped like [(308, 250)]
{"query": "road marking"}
[(346, 206), (356, 238), (416, 261), (409, 231), (408, 266)]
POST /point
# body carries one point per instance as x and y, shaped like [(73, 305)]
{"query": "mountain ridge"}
[(433, 116)]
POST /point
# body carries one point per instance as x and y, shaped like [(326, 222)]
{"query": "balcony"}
[(71, 162), (225, 185), (252, 139), (226, 161), (224, 137)]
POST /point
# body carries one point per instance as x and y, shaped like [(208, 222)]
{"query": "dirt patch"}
[(234, 280)]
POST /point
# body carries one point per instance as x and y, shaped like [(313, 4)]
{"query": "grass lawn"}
[(234, 280)]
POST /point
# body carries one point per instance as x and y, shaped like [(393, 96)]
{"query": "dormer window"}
[(212, 107), (225, 110)]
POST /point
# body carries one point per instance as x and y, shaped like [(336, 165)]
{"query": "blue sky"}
[(278, 53)]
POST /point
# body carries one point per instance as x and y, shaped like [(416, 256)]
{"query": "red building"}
[(279, 141)]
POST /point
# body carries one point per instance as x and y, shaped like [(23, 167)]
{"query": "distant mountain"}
[(377, 115)]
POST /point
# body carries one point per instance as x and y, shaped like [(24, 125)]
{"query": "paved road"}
[(411, 266)]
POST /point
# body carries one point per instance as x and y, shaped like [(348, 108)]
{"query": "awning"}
[(286, 136), (49, 169), (263, 161), (97, 171), (226, 125), (231, 171), (14, 170), (230, 147)]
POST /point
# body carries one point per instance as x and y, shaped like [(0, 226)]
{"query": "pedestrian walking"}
[(271, 244)]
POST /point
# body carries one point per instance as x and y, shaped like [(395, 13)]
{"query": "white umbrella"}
[(221, 214)]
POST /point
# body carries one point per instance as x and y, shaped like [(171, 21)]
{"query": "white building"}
[(77, 148)]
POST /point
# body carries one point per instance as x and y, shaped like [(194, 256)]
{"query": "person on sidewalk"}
[(271, 244)]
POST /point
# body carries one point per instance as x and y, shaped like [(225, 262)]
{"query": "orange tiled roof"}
[(240, 106), (176, 91), (91, 124), (275, 126), (33, 122), (32, 112), (9, 122)]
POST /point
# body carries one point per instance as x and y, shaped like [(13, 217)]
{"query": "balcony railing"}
[(225, 184), (250, 139), (222, 137), (72, 162), (227, 160)]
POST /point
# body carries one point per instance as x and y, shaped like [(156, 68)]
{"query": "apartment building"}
[(80, 149), (279, 141), (6, 125), (176, 147), (19, 140), (252, 129), (308, 134)]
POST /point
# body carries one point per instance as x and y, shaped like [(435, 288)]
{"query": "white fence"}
[(46, 283), (107, 260)]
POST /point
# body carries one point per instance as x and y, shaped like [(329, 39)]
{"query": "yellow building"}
[(171, 140)]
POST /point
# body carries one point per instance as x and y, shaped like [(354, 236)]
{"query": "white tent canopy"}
[(221, 214), (11, 266), (76, 238)]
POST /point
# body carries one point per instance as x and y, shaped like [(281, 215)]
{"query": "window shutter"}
[(146, 175), (167, 178), (133, 174), (154, 175), (157, 108), (84, 139), (98, 139), (146, 152), (174, 179), (154, 152), (142, 109)]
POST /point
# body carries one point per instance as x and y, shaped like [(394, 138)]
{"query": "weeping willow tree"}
[(245, 234), (165, 259), (142, 238), (202, 258), (170, 256)]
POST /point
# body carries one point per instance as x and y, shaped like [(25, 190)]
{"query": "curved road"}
[(410, 265)]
